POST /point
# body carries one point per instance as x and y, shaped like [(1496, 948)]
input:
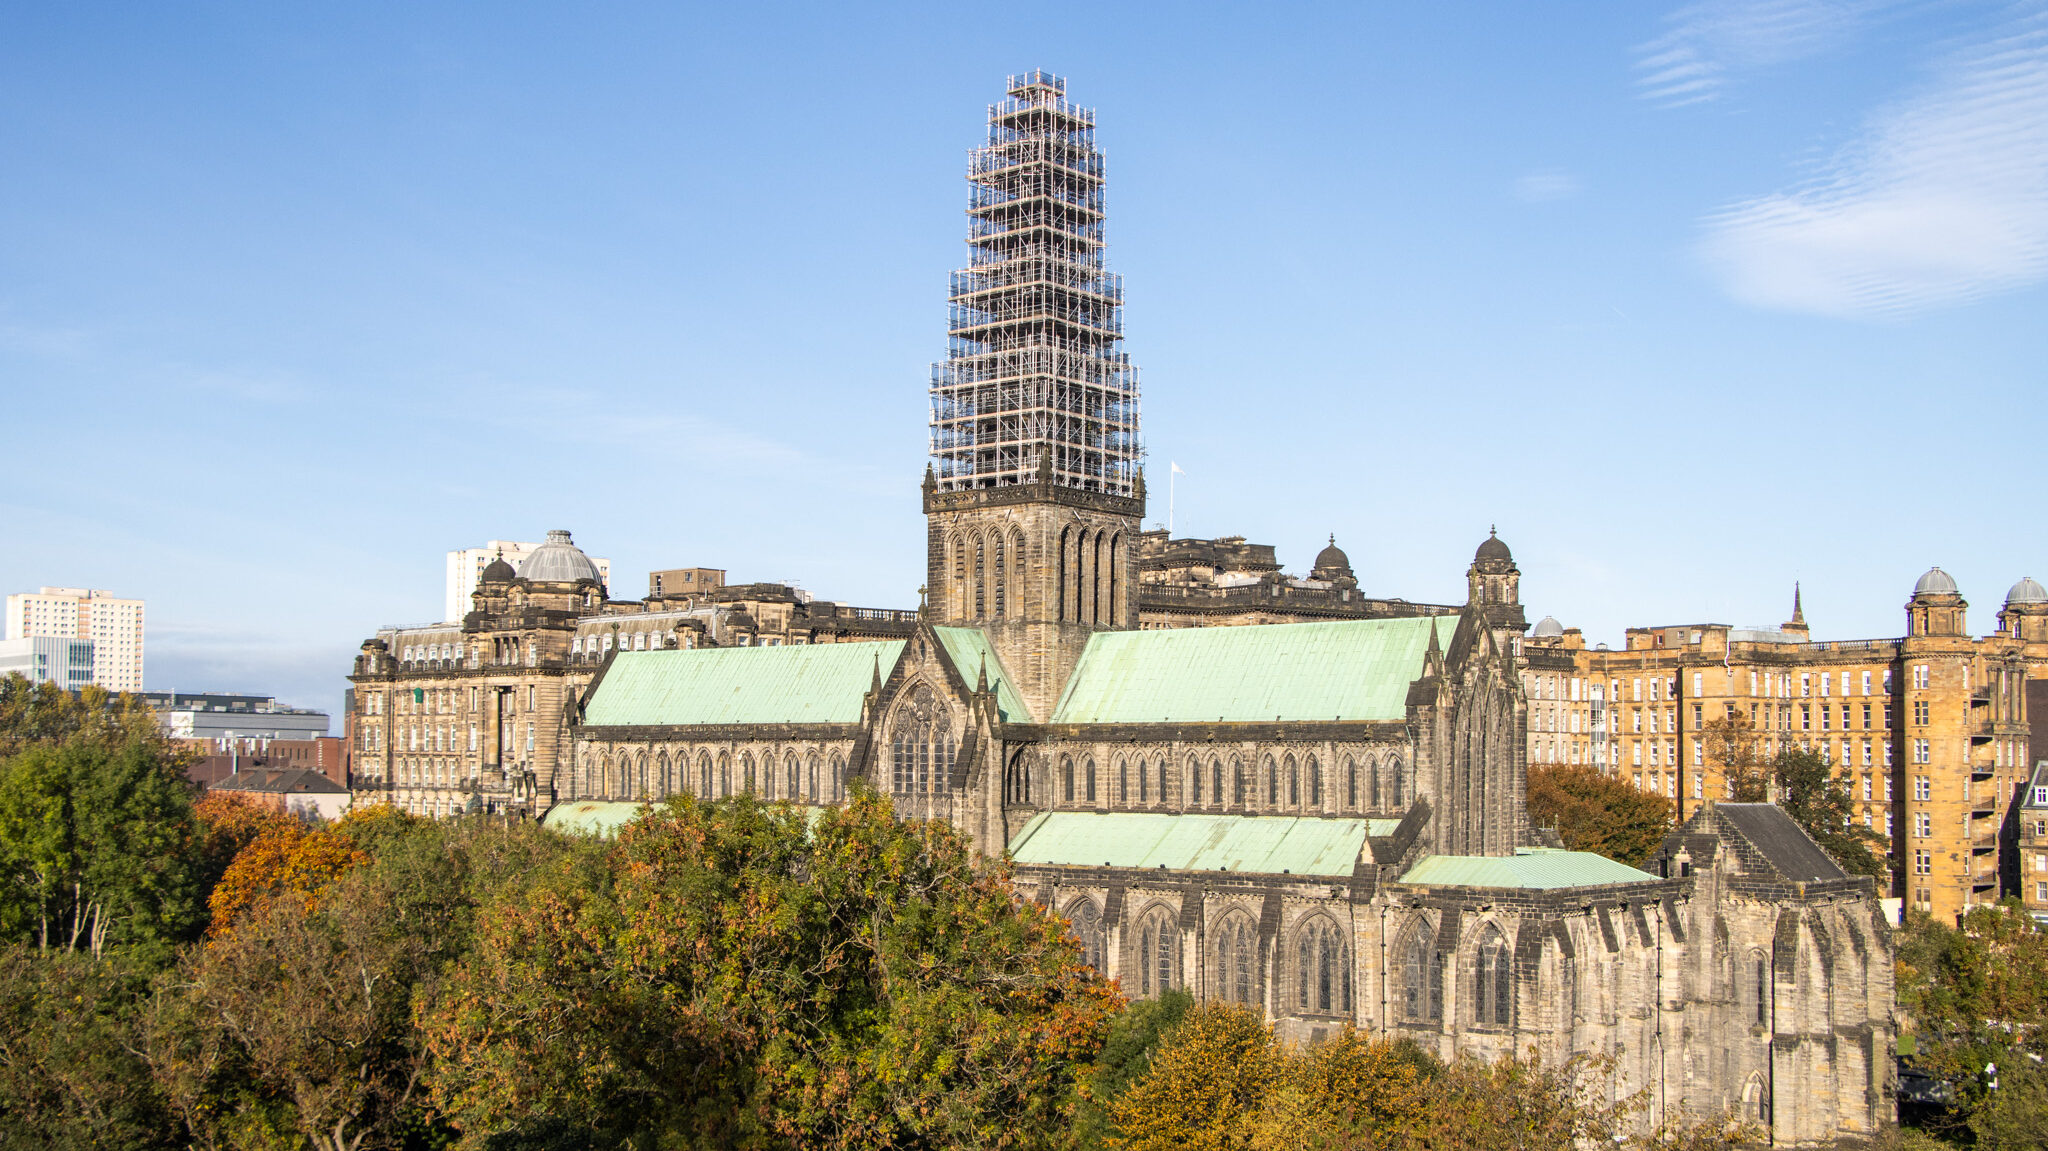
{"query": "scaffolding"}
[(1035, 364)]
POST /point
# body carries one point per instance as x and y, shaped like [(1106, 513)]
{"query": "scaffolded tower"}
[(1035, 369)]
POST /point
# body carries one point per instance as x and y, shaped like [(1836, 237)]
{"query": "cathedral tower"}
[(1035, 495)]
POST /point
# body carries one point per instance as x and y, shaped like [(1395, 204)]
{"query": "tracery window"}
[(747, 771), (1144, 784), (1237, 959), (724, 774), (1315, 784), (1350, 782), (1272, 784), (1158, 954), (792, 777), (1216, 780), (1237, 781), (812, 790), (1293, 782), (922, 740), (1400, 783), (1123, 781), (1194, 782), (1493, 981), (1322, 968), (704, 775), (1088, 929), (838, 778), (1067, 778), (661, 774), (1422, 977), (1164, 792)]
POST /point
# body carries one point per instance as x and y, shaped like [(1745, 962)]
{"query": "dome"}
[(1935, 582), (1493, 549), (499, 571), (1547, 628), (559, 561), (1332, 561), (2026, 591)]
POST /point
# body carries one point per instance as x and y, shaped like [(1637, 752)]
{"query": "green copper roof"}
[(1265, 844), (1354, 669), (1530, 867), (803, 683), (599, 819), (968, 646)]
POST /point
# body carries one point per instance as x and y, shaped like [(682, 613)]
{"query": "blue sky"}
[(1692, 301)]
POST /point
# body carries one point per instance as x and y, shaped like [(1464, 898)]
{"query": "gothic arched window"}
[(1087, 924), (998, 584), (1067, 778), (1400, 783), (704, 775), (1194, 782), (838, 778), (1144, 784), (922, 742), (1123, 781), (1236, 781), (812, 790), (1372, 784), (1760, 993), (747, 771), (724, 774), (1493, 981), (1088, 775), (1350, 782), (1322, 968), (661, 774), (1315, 784), (1237, 959), (1422, 977), (1293, 782), (1158, 953), (1272, 783), (1165, 793), (792, 777), (1216, 780)]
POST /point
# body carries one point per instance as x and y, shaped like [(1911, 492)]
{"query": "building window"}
[(1067, 778), (922, 743), (1923, 862), (1237, 959), (1315, 783), (1920, 676), (1087, 924), (1322, 969), (1923, 824), (1923, 788), (1493, 987), (1158, 947), (1272, 783), (1920, 713), (1923, 752), (1422, 977), (1088, 770)]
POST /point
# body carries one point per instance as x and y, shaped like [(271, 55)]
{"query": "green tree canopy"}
[(743, 975), (1824, 804)]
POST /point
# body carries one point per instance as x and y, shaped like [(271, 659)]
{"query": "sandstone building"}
[(1320, 813)]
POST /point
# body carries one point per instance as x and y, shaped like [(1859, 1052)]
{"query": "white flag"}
[(1177, 470)]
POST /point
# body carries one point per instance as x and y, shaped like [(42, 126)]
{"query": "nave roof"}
[(794, 683)]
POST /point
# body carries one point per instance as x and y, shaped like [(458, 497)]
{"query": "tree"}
[(1824, 804), (228, 823), (1598, 813), (1976, 995), (1732, 746), (1206, 1085), (734, 975), (44, 715), (69, 1077), (97, 847), (1126, 1054)]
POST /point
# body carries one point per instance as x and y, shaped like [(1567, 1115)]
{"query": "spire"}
[(982, 686), (876, 689), (1798, 612)]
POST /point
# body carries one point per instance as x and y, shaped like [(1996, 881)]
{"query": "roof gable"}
[(801, 683), (970, 651), (1781, 841), (1349, 670)]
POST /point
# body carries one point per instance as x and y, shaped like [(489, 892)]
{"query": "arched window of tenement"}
[(1493, 981), (1088, 929)]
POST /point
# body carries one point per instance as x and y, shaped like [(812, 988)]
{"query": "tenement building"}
[(1932, 727), (1320, 813)]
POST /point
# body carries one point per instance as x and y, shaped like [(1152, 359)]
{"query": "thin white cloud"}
[(1546, 185), (1944, 198), (1708, 41)]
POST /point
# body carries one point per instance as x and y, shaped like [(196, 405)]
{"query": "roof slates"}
[(1265, 845), (802, 683)]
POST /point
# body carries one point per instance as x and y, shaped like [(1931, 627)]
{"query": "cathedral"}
[(1324, 819)]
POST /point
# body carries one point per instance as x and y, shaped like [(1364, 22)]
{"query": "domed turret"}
[(1492, 549), (1935, 582), (1332, 563), (1547, 628), (2027, 591), (559, 561), (498, 571)]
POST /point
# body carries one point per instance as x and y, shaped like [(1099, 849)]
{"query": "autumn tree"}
[(738, 974), (1132, 1037), (1732, 747), (1823, 803), (69, 1075), (45, 715), (1599, 813), (1206, 1085)]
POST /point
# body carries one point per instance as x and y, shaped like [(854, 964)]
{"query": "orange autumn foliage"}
[(288, 856)]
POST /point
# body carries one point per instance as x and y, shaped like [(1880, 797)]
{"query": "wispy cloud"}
[(1942, 200), (1546, 185), (1709, 41)]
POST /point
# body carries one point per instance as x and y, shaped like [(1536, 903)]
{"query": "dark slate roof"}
[(1781, 841), (293, 781)]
